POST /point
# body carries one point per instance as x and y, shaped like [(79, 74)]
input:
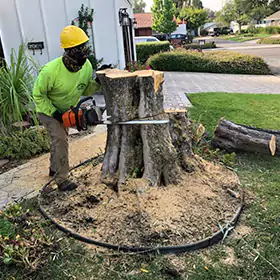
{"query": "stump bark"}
[(156, 152), (234, 137)]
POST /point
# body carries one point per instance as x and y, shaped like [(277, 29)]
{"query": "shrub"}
[(145, 50), (24, 144), (212, 62), (211, 45), (136, 66), (269, 41), (271, 30), (16, 84), (254, 30)]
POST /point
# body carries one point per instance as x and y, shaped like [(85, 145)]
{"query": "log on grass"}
[(151, 149), (235, 137)]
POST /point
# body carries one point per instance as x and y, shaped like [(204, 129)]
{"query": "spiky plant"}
[(16, 83)]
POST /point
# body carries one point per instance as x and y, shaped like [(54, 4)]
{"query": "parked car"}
[(148, 39), (226, 31), (215, 32), (178, 39), (220, 31), (161, 37)]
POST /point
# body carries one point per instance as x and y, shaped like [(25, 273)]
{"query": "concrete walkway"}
[(28, 179), (183, 82)]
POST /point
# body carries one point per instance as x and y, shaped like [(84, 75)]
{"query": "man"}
[(60, 85)]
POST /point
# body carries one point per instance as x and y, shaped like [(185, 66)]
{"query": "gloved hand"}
[(104, 66), (58, 116)]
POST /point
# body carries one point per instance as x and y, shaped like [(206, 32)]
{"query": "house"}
[(235, 26), (40, 23), (273, 20), (144, 24)]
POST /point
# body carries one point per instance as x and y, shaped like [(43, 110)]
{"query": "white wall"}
[(42, 20), (181, 29), (11, 36), (105, 31)]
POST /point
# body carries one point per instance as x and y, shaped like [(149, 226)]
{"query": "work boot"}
[(67, 185), (52, 173)]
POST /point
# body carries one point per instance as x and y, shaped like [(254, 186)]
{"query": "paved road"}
[(183, 82)]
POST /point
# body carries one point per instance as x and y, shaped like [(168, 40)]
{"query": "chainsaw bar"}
[(137, 122)]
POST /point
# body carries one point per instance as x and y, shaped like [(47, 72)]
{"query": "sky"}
[(214, 5)]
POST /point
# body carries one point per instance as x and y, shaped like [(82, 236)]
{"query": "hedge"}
[(211, 62), (269, 41), (24, 145), (211, 45), (145, 50), (264, 30)]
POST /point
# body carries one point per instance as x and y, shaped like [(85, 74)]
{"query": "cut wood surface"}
[(235, 137), (149, 149)]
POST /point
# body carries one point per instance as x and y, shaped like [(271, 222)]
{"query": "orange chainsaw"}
[(84, 115)]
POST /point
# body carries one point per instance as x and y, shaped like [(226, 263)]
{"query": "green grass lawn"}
[(241, 38), (260, 110), (244, 258)]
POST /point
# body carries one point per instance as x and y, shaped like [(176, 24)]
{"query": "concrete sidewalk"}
[(185, 82), (29, 178)]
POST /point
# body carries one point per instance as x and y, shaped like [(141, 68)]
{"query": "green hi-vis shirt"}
[(57, 88)]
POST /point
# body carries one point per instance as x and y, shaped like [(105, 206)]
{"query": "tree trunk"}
[(154, 150), (233, 137), (239, 27)]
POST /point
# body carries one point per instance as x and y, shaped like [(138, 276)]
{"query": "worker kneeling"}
[(58, 88)]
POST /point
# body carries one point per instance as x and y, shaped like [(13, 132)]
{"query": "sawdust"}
[(144, 216), (231, 259)]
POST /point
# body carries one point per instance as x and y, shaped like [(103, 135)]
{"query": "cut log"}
[(157, 150), (234, 137)]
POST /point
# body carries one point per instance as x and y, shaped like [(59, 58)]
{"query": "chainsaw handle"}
[(76, 109), (83, 101)]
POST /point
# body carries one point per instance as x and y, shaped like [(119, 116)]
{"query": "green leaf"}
[(7, 229), (7, 261)]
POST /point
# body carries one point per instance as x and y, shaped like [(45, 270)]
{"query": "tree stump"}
[(156, 152), (234, 137)]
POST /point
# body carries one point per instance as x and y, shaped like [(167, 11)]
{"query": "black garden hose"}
[(215, 238)]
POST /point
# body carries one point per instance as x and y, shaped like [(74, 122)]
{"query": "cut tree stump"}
[(235, 137), (158, 153)]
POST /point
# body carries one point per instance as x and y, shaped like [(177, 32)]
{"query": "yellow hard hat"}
[(72, 36)]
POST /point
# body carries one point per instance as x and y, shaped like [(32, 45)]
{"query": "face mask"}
[(75, 58), (81, 61)]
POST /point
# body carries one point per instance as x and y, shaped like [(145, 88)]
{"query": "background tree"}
[(257, 9), (163, 15), (197, 4), (194, 17), (139, 6), (234, 10), (179, 3), (211, 14), (240, 13), (274, 5)]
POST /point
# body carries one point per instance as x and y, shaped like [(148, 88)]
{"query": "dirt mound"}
[(144, 216)]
